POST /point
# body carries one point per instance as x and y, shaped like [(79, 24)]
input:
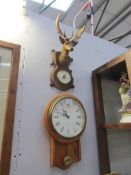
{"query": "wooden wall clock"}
[(61, 78), (65, 120)]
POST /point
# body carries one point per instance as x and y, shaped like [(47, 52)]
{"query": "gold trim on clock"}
[(48, 118)]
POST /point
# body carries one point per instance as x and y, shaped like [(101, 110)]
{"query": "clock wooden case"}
[(65, 120), (61, 76), (113, 136)]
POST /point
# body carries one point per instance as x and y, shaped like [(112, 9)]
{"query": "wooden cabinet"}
[(114, 138)]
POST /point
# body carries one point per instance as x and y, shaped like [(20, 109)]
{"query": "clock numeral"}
[(68, 131), (57, 124), (55, 116), (62, 129), (56, 109), (61, 104), (58, 112), (74, 129), (68, 102), (78, 110), (78, 123), (79, 116)]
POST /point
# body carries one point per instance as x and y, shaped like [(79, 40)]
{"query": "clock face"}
[(68, 117), (64, 76)]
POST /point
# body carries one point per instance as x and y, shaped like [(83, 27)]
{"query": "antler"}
[(78, 34), (59, 30), (58, 27)]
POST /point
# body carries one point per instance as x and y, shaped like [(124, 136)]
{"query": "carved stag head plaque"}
[(61, 76)]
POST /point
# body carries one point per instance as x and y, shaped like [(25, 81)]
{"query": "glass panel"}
[(119, 146), (111, 100), (5, 67)]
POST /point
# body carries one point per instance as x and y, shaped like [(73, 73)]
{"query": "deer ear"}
[(74, 43), (61, 40)]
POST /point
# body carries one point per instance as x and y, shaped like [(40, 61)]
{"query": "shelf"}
[(113, 137), (117, 126)]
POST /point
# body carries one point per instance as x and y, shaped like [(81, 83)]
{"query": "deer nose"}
[(71, 49)]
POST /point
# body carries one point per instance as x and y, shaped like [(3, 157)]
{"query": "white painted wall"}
[(31, 147)]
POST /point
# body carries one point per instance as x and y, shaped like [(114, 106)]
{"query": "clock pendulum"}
[(65, 120)]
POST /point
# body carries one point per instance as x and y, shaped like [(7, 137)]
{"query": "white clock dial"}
[(64, 76), (68, 117)]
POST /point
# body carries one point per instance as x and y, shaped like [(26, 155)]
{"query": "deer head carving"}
[(67, 42)]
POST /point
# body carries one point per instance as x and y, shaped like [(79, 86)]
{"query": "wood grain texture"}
[(128, 64), (10, 109), (59, 151), (113, 62), (101, 133)]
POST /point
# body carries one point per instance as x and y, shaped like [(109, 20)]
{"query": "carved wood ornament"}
[(61, 76)]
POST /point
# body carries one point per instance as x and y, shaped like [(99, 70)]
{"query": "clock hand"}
[(59, 112), (64, 77), (65, 114)]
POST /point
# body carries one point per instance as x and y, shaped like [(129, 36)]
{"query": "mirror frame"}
[(6, 149)]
